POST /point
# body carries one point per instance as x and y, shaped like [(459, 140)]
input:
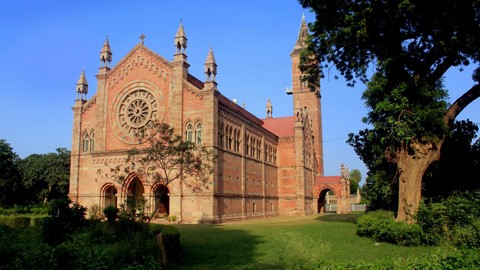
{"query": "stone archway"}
[(135, 199), (162, 201), (322, 200), (109, 196)]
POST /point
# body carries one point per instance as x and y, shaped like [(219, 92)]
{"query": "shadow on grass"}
[(216, 247), (352, 217)]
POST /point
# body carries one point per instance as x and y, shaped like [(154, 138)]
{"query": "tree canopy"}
[(411, 44), (34, 179)]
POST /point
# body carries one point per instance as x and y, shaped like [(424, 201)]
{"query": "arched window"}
[(221, 133), (92, 141), (230, 138), (198, 133), (189, 133), (236, 140), (86, 140)]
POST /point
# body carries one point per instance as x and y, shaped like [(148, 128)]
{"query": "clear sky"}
[(45, 44)]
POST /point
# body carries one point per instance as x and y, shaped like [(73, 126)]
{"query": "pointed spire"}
[(269, 109), (105, 55), (302, 35), (82, 86), (210, 67), (181, 39)]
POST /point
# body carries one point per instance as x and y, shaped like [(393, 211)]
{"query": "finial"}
[(142, 37), (303, 16)]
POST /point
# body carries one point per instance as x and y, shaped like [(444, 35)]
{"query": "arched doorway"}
[(162, 201), (326, 201), (110, 197), (135, 200)]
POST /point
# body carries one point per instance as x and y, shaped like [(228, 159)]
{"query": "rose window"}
[(136, 110)]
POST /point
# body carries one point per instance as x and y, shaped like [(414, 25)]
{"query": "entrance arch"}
[(325, 199), (162, 201), (135, 199)]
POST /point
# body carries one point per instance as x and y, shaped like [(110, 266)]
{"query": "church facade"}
[(263, 167)]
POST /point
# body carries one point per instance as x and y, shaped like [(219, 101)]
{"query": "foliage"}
[(457, 170), (10, 188), (381, 226), (45, 176), (111, 213), (454, 220), (355, 178), (25, 209), (22, 248), (171, 242), (63, 221), (16, 222), (411, 44)]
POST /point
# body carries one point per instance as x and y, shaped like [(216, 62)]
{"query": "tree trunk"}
[(412, 164)]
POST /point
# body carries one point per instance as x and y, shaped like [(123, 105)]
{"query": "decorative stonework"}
[(133, 109)]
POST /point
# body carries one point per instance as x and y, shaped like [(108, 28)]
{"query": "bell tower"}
[(306, 98)]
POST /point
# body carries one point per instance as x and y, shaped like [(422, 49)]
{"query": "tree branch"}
[(456, 108)]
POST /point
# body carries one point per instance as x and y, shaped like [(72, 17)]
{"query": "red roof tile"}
[(282, 126)]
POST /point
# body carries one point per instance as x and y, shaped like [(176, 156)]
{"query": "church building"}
[(263, 167)]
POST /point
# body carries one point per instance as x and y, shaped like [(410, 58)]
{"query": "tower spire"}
[(269, 109), (82, 87), (181, 40), (302, 35), (105, 55), (210, 67)]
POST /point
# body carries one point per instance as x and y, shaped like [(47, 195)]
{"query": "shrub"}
[(171, 242), (16, 222), (63, 220), (454, 220), (111, 213), (367, 225), (38, 221), (381, 226)]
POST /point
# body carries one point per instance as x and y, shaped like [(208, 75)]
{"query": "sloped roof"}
[(281, 126), (327, 179)]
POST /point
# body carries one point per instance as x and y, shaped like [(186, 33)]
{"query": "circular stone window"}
[(132, 111)]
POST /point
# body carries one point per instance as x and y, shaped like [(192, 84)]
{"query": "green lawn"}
[(283, 242)]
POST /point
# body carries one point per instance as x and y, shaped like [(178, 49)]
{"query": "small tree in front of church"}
[(163, 157)]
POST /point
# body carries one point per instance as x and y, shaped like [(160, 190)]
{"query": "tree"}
[(411, 43), (10, 187), (355, 178), (45, 176), (457, 170), (164, 157)]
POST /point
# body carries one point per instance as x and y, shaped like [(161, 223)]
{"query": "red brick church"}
[(264, 167)]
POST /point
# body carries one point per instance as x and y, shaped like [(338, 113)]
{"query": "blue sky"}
[(45, 44)]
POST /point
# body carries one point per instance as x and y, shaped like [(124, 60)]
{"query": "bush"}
[(381, 226), (171, 242), (63, 220), (111, 213), (454, 220)]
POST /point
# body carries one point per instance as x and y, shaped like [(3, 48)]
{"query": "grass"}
[(284, 242)]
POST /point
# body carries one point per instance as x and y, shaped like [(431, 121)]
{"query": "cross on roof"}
[(142, 37)]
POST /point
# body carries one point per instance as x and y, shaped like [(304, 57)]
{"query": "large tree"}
[(45, 176), (411, 44), (10, 186)]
